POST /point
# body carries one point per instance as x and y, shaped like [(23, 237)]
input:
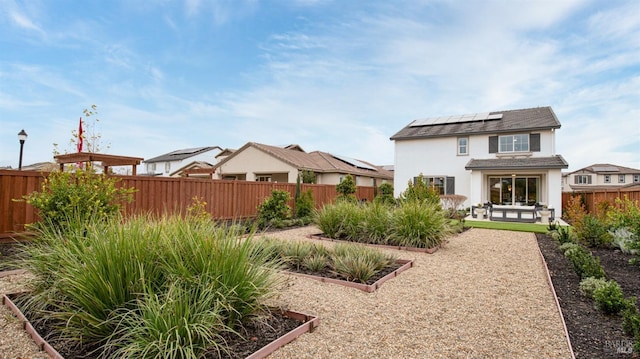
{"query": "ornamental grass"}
[(148, 287)]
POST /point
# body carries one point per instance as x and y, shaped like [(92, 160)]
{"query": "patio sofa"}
[(513, 213)]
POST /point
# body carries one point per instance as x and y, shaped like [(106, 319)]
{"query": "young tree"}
[(91, 136), (346, 188)]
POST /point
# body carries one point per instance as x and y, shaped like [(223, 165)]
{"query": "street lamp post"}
[(22, 136)]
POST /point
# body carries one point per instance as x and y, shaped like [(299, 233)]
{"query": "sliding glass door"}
[(514, 190)]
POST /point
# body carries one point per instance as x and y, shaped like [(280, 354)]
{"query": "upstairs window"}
[(167, 167), (442, 184), (636, 178), (607, 178), (621, 178), (514, 143), (582, 179), (151, 167), (463, 146)]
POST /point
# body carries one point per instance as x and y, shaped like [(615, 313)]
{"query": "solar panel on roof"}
[(472, 117), (354, 162), (606, 169)]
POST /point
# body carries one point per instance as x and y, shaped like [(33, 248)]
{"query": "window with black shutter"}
[(534, 142), (493, 144)]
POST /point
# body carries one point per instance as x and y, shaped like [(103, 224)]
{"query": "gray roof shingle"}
[(556, 161), (529, 119), (179, 155)]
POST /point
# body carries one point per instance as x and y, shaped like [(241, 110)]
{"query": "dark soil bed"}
[(593, 334), (251, 337), (327, 273)]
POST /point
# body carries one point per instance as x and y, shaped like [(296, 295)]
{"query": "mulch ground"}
[(593, 334)]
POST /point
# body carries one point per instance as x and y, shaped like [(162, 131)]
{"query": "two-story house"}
[(170, 163), (600, 176), (503, 157)]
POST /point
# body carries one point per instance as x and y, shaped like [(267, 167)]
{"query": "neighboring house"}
[(259, 162), (505, 157), (41, 167), (167, 165), (200, 169), (600, 176)]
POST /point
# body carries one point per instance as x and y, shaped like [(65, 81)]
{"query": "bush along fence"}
[(157, 195), (590, 199)]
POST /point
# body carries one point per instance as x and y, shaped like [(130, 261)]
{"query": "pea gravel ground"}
[(484, 295)]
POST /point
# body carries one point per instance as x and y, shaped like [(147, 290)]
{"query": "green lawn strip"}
[(509, 226)]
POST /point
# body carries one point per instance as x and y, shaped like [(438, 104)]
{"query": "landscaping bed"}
[(593, 333), (256, 338)]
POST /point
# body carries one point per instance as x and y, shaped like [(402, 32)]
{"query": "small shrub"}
[(308, 176), (589, 285), (575, 211), (198, 209), (346, 188), (593, 232), (609, 298), (419, 190), (625, 213), (563, 235), (623, 239), (305, 204), (584, 264), (76, 198), (631, 319), (451, 203), (385, 194), (566, 246), (274, 208)]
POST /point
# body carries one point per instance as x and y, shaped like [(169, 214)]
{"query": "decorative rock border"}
[(309, 324), (431, 250), (369, 288)]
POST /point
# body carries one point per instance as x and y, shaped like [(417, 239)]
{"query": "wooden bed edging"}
[(369, 288), (555, 297), (40, 342), (431, 250), (309, 324)]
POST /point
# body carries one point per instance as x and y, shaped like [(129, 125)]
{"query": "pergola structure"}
[(106, 160)]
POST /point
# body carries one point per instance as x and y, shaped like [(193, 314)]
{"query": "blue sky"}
[(335, 76)]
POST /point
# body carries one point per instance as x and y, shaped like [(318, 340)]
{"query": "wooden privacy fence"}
[(225, 199), (592, 198)]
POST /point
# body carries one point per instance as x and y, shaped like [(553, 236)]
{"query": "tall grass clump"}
[(353, 262), (333, 219), (376, 223), (148, 286), (420, 224), (359, 263)]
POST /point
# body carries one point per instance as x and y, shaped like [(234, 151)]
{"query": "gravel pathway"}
[(484, 295)]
